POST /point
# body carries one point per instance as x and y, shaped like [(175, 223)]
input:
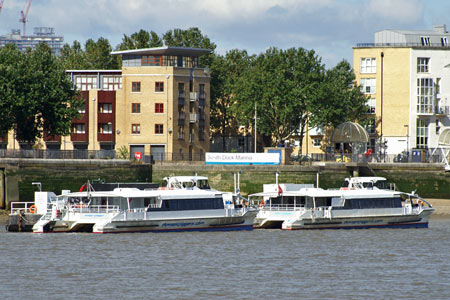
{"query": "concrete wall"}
[(56, 175)]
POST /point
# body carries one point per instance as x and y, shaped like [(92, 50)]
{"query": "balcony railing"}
[(193, 117), (442, 110), (398, 45), (193, 96)]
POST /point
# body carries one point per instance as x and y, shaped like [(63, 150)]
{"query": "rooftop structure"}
[(40, 35)]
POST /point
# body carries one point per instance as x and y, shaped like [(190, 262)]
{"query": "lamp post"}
[(381, 105), (407, 142), (93, 123)]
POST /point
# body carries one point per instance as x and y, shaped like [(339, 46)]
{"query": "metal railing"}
[(17, 207), (58, 154), (82, 208)]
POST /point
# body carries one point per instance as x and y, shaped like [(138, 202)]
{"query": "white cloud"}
[(399, 11)]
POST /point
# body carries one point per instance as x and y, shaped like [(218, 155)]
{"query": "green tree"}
[(139, 40), (281, 84), (225, 70), (40, 93), (191, 38), (73, 57), (98, 55)]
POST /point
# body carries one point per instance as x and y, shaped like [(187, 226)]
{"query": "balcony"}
[(193, 96), (202, 99), (442, 110), (181, 118), (193, 117)]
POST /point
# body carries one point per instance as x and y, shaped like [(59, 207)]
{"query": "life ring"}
[(32, 209), (261, 204)]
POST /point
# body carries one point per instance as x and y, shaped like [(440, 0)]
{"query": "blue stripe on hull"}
[(402, 225), (226, 228)]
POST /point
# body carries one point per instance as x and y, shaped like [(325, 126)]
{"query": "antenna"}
[(24, 15)]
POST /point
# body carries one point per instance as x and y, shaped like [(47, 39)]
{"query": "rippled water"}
[(263, 264)]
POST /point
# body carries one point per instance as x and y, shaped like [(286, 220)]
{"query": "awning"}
[(350, 132), (444, 137)]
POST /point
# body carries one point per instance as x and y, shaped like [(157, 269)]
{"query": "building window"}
[(422, 133), (136, 108), (112, 82), (444, 42), (82, 109), (135, 128), (79, 128), (201, 133), (86, 82), (135, 86), (371, 103), (368, 85), (371, 127), (159, 128), (368, 65), (425, 40), (438, 85), (150, 60), (159, 108), (422, 64), (105, 128), (105, 108), (316, 142), (180, 89), (438, 127), (159, 86), (181, 132), (425, 95)]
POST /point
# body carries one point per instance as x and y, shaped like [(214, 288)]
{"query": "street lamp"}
[(93, 123), (407, 140)]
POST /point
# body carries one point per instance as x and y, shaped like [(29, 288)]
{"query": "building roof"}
[(164, 51)]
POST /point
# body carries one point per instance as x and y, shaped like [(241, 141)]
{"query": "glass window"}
[(422, 64), (159, 86), (105, 108), (316, 142), (159, 108), (368, 85), (79, 128), (425, 40), (159, 128), (86, 82), (112, 82), (136, 87), (135, 128), (425, 95), (135, 108), (105, 128), (371, 103), (150, 60), (444, 42), (422, 133), (368, 65)]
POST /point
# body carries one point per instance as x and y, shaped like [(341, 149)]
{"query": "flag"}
[(83, 187), (280, 191)]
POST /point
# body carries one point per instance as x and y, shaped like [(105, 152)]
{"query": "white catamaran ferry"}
[(316, 208), (156, 210)]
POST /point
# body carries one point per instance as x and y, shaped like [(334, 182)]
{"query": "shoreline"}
[(441, 206)]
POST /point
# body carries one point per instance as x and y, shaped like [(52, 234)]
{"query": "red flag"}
[(280, 191), (83, 187)]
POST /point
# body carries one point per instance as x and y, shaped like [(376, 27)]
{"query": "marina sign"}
[(214, 158)]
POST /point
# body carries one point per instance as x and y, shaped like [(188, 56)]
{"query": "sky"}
[(330, 27)]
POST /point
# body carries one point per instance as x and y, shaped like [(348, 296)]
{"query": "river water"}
[(262, 264)]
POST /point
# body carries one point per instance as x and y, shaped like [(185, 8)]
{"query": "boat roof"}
[(186, 178), (366, 178), (136, 193), (318, 192)]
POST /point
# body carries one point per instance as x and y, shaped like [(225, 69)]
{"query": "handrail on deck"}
[(22, 206)]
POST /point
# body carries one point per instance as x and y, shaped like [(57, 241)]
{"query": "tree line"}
[(291, 89)]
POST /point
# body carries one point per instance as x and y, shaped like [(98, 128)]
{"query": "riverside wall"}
[(17, 175)]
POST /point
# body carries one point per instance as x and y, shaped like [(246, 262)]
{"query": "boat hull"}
[(128, 223), (420, 220)]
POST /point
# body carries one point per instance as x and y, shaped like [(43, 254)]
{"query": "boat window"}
[(192, 204), (323, 201), (373, 203), (345, 184), (164, 183), (150, 201), (382, 185), (203, 184), (337, 202), (188, 184)]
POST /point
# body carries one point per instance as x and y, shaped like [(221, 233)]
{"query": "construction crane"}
[(23, 19), (1, 5)]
